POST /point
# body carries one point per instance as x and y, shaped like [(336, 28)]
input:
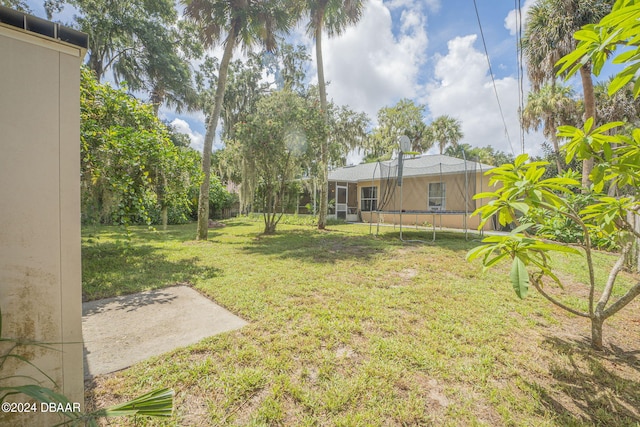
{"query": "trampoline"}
[(433, 188)]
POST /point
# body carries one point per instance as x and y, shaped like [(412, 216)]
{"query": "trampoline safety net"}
[(439, 188)]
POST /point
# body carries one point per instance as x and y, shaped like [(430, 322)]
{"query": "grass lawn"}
[(348, 329)]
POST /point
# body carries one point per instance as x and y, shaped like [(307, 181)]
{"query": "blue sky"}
[(426, 50), (431, 52)]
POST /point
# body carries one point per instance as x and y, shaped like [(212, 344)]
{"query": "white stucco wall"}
[(40, 271)]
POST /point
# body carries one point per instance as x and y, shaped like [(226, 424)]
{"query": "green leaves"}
[(610, 212), (522, 194), (589, 141), (519, 278), (617, 156), (274, 146), (520, 187), (404, 118), (130, 168), (598, 44), (444, 130), (595, 45), (525, 251), (156, 403)]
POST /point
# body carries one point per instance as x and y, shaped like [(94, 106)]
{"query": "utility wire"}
[(493, 80), (518, 8)]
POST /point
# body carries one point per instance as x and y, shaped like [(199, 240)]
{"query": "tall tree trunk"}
[(324, 146), (596, 332), (164, 214), (95, 65), (589, 111), (164, 211), (203, 200), (156, 100), (556, 152)]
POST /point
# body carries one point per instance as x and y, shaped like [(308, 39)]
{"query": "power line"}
[(493, 80), (518, 8)]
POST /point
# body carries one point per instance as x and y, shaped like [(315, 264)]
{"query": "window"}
[(437, 191), (369, 199)]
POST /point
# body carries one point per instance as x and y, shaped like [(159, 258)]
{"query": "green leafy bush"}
[(129, 165), (293, 219), (561, 228), (615, 150)]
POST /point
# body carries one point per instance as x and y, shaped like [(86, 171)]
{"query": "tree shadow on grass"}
[(112, 269), (130, 302), (455, 241), (591, 388), (237, 223), (330, 247), (316, 247), (108, 234)]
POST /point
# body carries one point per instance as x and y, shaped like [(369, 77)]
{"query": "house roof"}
[(417, 166), (42, 27)]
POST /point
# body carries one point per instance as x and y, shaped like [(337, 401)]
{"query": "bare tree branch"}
[(536, 284), (623, 301), (571, 214), (619, 265), (629, 227)]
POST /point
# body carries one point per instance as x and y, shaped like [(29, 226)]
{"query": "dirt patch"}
[(345, 353), (573, 379)]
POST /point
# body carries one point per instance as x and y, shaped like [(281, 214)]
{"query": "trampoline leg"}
[(434, 227), (466, 229)]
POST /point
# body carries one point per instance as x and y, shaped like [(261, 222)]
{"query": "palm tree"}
[(551, 106), (160, 66), (232, 23), (332, 16), (116, 28), (445, 130), (549, 36), (404, 118), (619, 106)]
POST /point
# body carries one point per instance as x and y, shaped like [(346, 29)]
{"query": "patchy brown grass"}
[(350, 329)]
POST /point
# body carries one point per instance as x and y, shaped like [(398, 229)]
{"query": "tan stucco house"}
[(434, 190)]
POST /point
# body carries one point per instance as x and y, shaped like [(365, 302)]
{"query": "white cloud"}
[(197, 139), (432, 5), (462, 88), (368, 67), (511, 21), (410, 19)]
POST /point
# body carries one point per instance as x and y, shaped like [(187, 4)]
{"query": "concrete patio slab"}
[(121, 331)]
